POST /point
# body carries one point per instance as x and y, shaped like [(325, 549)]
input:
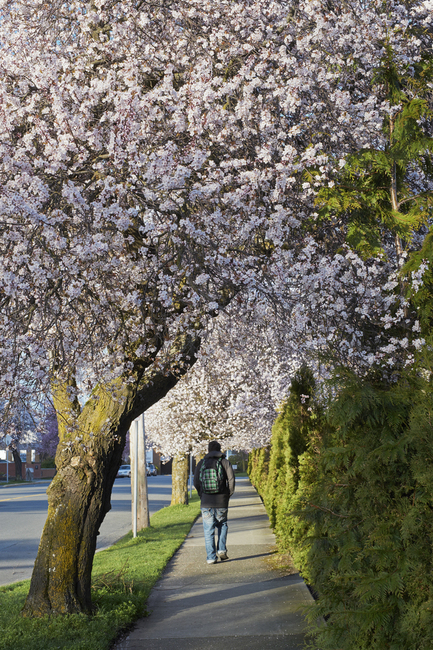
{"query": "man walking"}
[(214, 481)]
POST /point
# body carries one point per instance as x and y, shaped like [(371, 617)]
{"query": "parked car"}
[(151, 469), (124, 470)]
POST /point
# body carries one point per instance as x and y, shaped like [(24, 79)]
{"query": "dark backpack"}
[(213, 477)]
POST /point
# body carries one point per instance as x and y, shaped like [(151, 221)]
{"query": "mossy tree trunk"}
[(179, 480), (87, 459)]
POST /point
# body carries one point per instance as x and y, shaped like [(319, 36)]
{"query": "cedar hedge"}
[(349, 492)]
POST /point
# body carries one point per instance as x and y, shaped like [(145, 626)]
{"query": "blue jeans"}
[(214, 518)]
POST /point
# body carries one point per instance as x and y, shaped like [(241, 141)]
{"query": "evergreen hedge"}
[(355, 508)]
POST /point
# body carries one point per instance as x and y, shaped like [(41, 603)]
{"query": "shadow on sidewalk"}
[(246, 557)]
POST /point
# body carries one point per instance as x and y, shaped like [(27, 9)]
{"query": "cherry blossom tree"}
[(242, 375), (117, 231), (157, 160)]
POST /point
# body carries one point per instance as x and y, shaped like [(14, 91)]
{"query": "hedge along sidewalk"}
[(123, 577)]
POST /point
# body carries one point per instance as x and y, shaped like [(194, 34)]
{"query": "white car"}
[(151, 469), (124, 470)]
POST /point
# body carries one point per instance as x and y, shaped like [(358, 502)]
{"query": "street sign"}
[(8, 439)]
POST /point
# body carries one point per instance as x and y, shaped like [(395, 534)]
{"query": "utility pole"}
[(139, 498), (190, 474)]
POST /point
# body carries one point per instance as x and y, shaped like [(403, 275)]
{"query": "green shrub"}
[(291, 465), (371, 511), (258, 463), (48, 463), (355, 509)]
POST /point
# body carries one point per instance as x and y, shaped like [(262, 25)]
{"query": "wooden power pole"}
[(139, 498)]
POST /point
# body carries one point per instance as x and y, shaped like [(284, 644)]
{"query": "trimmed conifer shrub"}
[(356, 510), (290, 470), (371, 512), (258, 462)]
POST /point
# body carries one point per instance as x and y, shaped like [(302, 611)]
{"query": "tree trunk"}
[(87, 459), (179, 480), (18, 463)]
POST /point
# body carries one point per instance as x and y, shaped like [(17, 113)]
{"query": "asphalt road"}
[(23, 510)]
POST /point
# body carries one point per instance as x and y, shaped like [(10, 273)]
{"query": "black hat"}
[(214, 446)]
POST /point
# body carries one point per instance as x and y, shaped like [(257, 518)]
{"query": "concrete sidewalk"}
[(242, 603)]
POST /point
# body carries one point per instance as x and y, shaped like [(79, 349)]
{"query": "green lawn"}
[(123, 576)]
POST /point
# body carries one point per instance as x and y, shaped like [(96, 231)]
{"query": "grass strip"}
[(19, 483), (14, 483), (122, 578)]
